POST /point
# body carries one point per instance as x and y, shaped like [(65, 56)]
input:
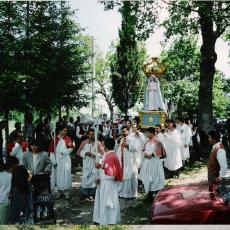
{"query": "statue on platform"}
[(153, 99)]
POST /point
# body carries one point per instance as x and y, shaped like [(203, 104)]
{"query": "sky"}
[(103, 26)]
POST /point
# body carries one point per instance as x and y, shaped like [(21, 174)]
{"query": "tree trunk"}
[(6, 118), (67, 112), (111, 111), (207, 67), (59, 113)]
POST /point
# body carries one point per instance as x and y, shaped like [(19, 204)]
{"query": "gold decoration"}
[(154, 67)]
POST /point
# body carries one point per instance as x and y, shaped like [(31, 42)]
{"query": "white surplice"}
[(173, 161), (128, 188), (64, 178), (186, 134), (106, 205), (152, 172), (88, 170), (140, 140), (17, 152)]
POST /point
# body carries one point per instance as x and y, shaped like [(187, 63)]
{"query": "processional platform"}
[(151, 118)]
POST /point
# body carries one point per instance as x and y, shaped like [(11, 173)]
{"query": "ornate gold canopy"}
[(153, 67)]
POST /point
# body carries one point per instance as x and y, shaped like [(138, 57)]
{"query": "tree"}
[(127, 76), (73, 61), (181, 78), (220, 98), (12, 88), (55, 56), (211, 19), (103, 80)]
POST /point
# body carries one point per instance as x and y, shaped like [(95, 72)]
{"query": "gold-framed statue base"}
[(151, 118)]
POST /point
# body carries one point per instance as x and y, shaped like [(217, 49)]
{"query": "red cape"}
[(159, 148), (112, 167), (10, 146), (68, 142)]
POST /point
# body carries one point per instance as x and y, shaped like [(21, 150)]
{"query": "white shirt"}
[(221, 157), (5, 186), (35, 161), (17, 152)]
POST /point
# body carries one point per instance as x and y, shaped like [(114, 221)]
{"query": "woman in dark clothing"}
[(21, 205)]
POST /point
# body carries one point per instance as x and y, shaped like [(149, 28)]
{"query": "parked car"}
[(191, 204)]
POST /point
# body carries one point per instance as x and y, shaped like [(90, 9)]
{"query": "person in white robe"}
[(96, 210), (5, 187), (173, 161), (125, 150), (88, 151), (186, 134), (159, 135), (152, 171), (106, 206), (61, 154), (17, 150), (140, 140)]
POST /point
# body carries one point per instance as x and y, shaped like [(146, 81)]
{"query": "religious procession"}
[(123, 136)]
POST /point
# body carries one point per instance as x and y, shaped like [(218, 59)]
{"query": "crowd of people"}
[(117, 158)]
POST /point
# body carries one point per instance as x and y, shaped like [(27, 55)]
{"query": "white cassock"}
[(106, 206), (88, 170), (140, 140), (186, 134), (128, 187), (152, 171), (17, 152), (173, 161), (64, 178), (53, 171), (161, 138), (96, 210)]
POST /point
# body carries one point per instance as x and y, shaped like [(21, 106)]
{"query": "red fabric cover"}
[(68, 142), (112, 167), (159, 149), (10, 147)]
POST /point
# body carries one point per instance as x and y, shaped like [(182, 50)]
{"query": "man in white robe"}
[(127, 147), (173, 161), (152, 171), (106, 206), (140, 140), (88, 151), (186, 134), (61, 155), (159, 134)]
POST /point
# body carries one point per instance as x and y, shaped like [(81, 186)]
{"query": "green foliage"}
[(220, 98), (181, 79), (182, 73), (45, 54), (11, 94), (127, 76)]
